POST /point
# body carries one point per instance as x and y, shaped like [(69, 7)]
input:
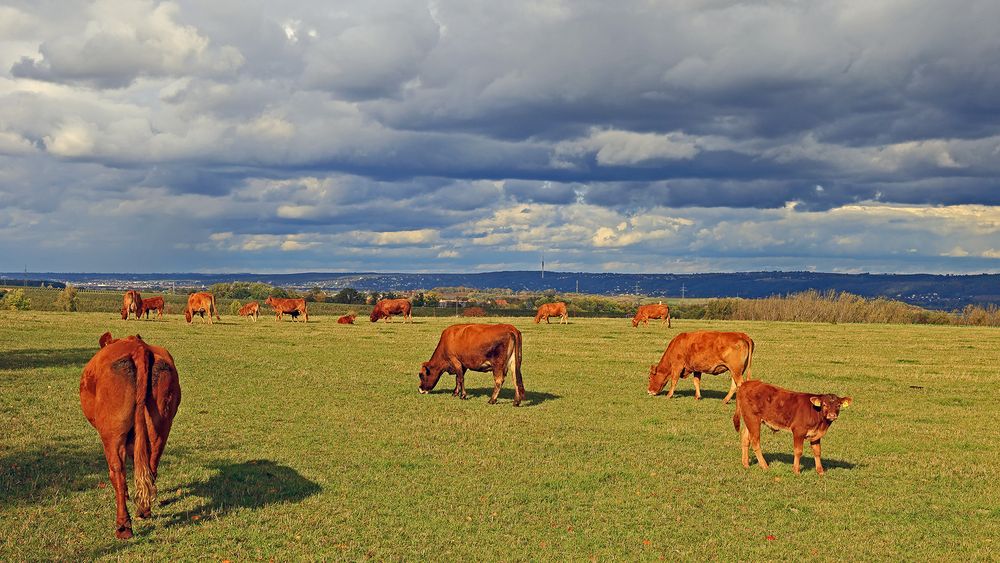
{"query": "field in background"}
[(310, 441)]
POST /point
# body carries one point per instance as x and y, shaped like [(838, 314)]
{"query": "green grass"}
[(310, 441)]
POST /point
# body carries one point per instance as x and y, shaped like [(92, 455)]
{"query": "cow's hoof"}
[(492, 401), (124, 533), (464, 397), (517, 404), (143, 514), (697, 398)]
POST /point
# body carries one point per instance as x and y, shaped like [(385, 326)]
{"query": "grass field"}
[(310, 441)]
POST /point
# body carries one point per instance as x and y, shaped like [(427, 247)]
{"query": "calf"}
[(703, 351), (347, 319), (807, 416), (153, 304), (251, 310), (476, 347), (129, 392)]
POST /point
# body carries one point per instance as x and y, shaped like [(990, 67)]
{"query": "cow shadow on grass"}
[(807, 462), (250, 484), (33, 358), (531, 398), (705, 393)]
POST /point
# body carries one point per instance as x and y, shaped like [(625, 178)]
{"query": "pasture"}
[(310, 441)]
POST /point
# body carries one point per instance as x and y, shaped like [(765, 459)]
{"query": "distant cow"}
[(552, 310), (476, 347), (131, 304), (129, 392), (347, 319), (701, 352), (251, 310), (199, 304), (807, 416), (646, 312), (153, 304), (386, 308), (294, 307)]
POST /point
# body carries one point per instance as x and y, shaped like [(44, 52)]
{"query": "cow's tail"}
[(515, 358), (736, 415), (749, 360), (145, 486), (214, 310)]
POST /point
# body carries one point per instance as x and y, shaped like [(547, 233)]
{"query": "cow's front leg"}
[(673, 382), (819, 464), (797, 442), (697, 385)]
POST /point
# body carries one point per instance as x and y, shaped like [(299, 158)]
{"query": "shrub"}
[(474, 312), (234, 308), (15, 301), (67, 300)]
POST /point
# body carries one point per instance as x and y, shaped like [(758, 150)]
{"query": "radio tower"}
[(543, 265)]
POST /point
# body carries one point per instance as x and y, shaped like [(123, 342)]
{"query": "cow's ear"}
[(846, 402), (105, 339), (816, 401)]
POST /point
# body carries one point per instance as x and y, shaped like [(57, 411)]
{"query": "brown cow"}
[(476, 347), (129, 392), (347, 319), (646, 312), (386, 308), (199, 304), (131, 304), (294, 307), (806, 415), (153, 304), (699, 352), (547, 310), (251, 310)]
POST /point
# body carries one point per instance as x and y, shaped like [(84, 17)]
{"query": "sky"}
[(464, 135)]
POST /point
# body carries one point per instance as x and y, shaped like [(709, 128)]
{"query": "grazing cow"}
[(294, 307), (129, 392), (131, 304), (699, 352), (806, 415), (552, 310), (386, 308), (153, 304), (251, 310), (347, 319), (646, 312), (479, 347), (199, 304)]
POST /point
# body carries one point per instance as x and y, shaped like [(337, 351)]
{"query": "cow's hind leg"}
[(752, 424), (745, 445), (114, 453), (499, 374), (732, 390)]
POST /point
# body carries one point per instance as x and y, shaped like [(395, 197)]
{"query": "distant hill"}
[(927, 290)]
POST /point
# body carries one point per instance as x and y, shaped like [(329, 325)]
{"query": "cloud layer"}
[(455, 135)]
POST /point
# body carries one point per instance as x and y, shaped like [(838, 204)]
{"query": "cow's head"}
[(269, 300), (124, 313), (635, 321), (187, 314), (429, 376), (830, 405), (376, 314), (657, 380)]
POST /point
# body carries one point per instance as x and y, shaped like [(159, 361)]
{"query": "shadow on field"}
[(531, 398), (34, 476), (32, 358), (807, 461), (705, 393), (251, 484)]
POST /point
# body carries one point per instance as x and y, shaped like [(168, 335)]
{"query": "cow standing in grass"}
[(476, 347), (251, 310), (806, 415), (699, 352), (293, 307), (646, 312), (199, 304), (386, 308), (153, 304), (131, 304), (129, 391), (547, 310)]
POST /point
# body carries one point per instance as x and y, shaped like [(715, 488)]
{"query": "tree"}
[(350, 296), (67, 299), (15, 301), (316, 294), (234, 308)]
